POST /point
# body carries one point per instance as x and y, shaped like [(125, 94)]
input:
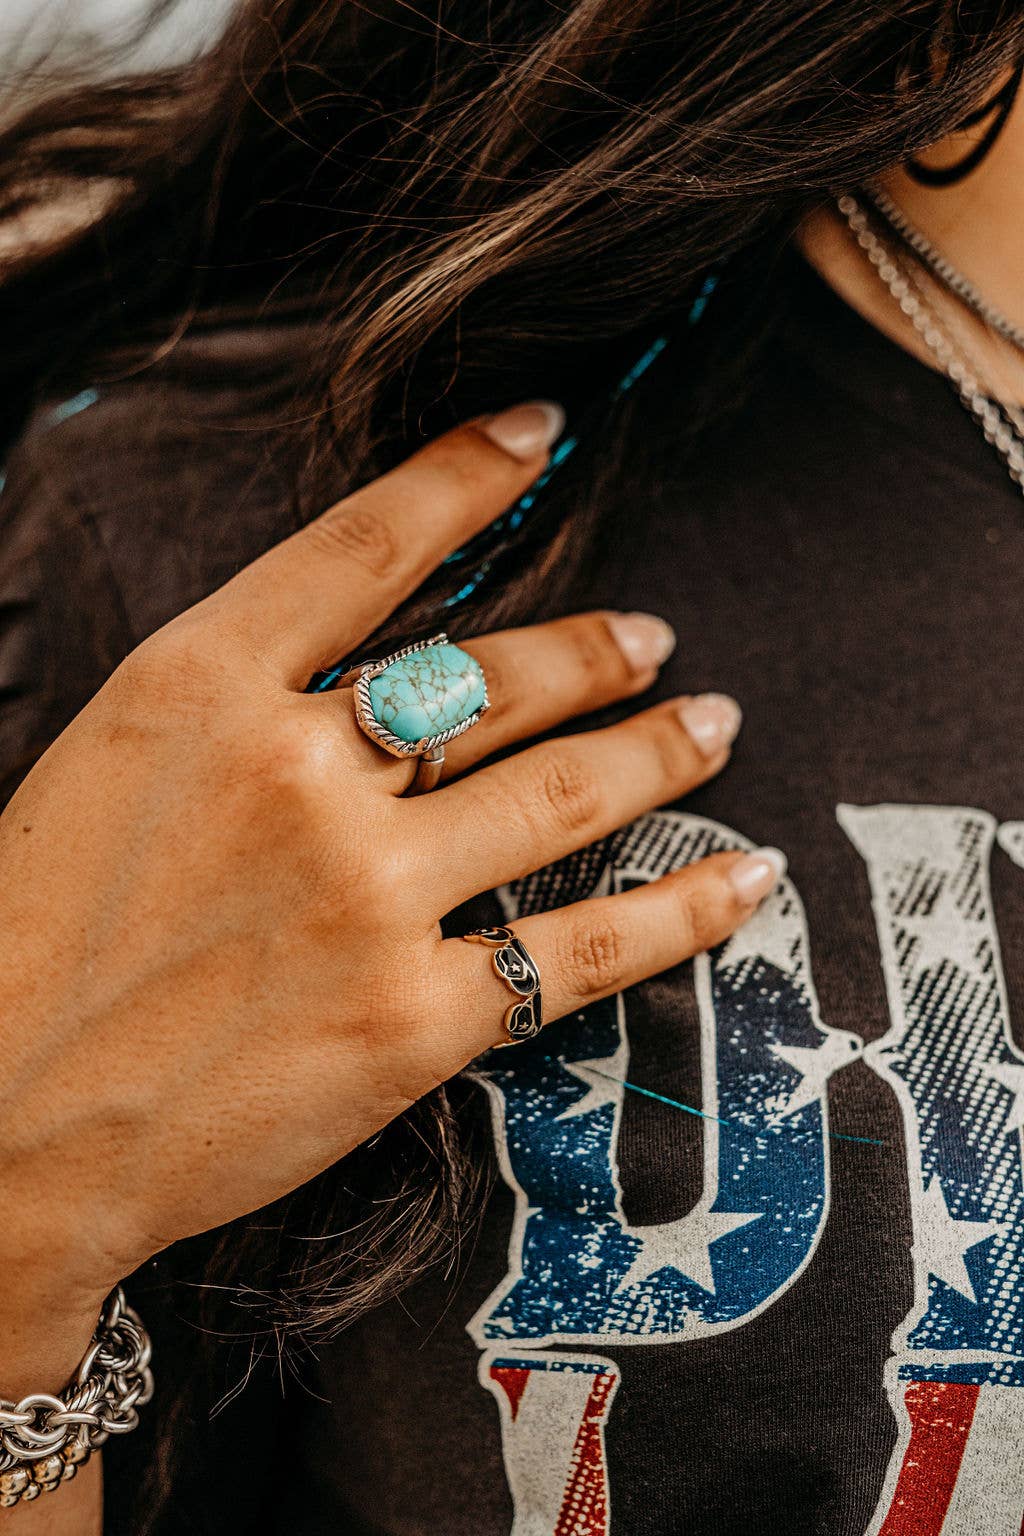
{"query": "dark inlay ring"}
[(517, 968)]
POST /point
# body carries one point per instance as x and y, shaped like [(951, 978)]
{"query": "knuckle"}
[(504, 683), (162, 657), (173, 669), (470, 466), (397, 1026), (386, 888), (596, 656), (271, 763), (594, 958), (697, 914), (673, 751), (568, 793), (286, 758), (140, 679), (357, 534), (394, 1019)]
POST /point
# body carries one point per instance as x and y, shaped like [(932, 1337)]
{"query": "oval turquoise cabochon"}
[(427, 692)]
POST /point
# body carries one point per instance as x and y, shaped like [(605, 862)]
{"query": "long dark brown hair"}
[(470, 204)]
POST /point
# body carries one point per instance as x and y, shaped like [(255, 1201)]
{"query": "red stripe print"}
[(940, 1421), (512, 1380), (584, 1510)]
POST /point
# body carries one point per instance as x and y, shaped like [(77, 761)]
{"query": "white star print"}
[(943, 1241), (771, 935), (1010, 838), (599, 1090), (815, 1065), (684, 1245), (605, 885), (1011, 1075)]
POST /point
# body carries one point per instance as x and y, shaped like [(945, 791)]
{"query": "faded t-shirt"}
[(803, 1312)]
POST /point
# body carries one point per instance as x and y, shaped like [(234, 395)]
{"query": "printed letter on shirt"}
[(579, 1272), (553, 1409), (957, 1370)]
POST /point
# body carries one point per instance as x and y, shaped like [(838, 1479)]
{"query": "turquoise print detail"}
[(427, 692)]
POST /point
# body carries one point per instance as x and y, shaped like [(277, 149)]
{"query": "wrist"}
[(44, 1339), (49, 1437), (49, 1311)]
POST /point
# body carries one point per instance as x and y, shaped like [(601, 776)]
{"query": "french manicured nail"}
[(712, 721), (757, 873), (526, 430), (644, 639)]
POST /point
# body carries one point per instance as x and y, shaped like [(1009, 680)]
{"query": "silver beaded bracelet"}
[(45, 1439)]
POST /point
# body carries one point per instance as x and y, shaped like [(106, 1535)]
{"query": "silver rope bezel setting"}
[(362, 676)]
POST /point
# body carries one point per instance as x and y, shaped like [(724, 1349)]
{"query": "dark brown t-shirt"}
[(805, 1312)]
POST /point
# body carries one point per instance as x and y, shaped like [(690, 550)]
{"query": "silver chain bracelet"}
[(44, 1439)]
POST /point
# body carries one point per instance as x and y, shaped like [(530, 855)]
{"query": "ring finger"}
[(596, 948)]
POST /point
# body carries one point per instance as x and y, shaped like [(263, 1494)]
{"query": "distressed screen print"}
[(581, 1277)]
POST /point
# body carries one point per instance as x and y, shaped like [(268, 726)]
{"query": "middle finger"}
[(518, 815), (540, 676), (543, 675)]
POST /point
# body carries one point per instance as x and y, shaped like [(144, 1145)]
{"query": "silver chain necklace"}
[(1002, 425), (941, 266)]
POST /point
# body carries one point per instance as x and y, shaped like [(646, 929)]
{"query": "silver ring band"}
[(517, 968), (429, 769)]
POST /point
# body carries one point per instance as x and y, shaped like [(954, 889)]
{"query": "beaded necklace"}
[(1001, 421)]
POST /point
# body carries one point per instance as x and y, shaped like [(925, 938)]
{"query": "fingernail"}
[(644, 639), (526, 430), (757, 873), (712, 721)]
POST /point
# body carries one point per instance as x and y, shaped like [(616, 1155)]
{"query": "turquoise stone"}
[(427, 692)]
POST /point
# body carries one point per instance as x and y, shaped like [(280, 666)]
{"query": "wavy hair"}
[(471, 204)]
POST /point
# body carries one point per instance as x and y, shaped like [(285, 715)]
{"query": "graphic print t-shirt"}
[(804, 1311)]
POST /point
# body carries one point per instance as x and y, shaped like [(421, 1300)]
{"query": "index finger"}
[(310, 600)]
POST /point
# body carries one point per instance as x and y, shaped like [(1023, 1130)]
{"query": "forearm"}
[(73, 1509)]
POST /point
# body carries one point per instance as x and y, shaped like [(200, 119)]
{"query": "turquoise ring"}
[(415, 701)]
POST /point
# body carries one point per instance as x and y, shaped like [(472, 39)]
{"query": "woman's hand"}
[(222, 966)]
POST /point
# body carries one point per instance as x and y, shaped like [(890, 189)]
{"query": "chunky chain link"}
[(44, 1439)]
